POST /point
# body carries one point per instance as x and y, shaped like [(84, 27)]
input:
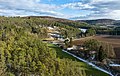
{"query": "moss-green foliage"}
[(92, 45), (60, 53), (90, 32), (116, 31), (104, 50), (25, 55), (22, 53), (66, 30), (86, 69)]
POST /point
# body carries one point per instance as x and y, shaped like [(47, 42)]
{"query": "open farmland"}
[(114, 40)]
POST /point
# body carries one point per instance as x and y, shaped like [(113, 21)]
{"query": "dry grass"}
[(114, 40)]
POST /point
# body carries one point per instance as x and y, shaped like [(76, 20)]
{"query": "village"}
[(107, 65)]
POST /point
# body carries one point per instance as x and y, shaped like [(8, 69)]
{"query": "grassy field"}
[(114, 40), (61, 55)]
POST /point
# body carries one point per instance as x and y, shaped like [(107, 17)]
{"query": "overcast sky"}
[(69, 9)]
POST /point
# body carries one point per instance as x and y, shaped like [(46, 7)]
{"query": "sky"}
[(68, 9)]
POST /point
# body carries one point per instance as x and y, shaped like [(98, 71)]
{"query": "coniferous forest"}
[(22, 52)]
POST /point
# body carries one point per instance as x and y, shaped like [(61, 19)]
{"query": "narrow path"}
[(83, 38), (115, 65), (89, 63)]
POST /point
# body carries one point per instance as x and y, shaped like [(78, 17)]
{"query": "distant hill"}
[(50, 18), (61, 20), (79, 23), (117, 22), (101, 22)]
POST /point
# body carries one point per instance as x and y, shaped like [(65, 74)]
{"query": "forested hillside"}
[(22, 52), (99, 21)]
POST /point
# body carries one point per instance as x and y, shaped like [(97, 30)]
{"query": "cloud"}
[(115, 14), (77, 5), (27, 7), (100, 9), (96, 8), (93, 5)]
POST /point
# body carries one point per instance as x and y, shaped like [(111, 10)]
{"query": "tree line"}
[(22, 53)]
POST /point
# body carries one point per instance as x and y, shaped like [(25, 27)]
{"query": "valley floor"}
[(114, 40), (61, 55)]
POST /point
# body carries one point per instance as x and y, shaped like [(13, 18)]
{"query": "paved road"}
[(89, 63), (115, 65)]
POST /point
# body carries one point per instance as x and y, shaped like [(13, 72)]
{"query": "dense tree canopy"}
[(22, 53), (90, 32)]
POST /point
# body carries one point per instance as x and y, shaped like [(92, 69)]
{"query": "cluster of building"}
[(54, 34)]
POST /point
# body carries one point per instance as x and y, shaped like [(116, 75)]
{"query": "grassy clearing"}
[(62, 55)]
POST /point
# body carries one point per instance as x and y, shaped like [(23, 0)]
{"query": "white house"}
[(83, 30)]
